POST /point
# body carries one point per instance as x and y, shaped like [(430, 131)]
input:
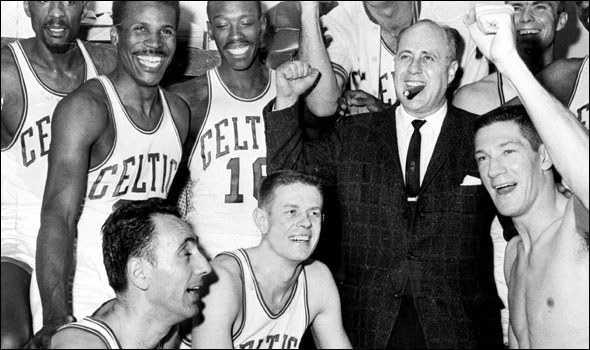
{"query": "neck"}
[(273, 270), (546, 210), (135, 327), (536, 58), (245, 83), (133, 95), (40, 54), (392, 16)]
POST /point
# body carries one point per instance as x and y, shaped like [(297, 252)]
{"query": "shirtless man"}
[(536, 23), (117, 138), (227, 148), (155, 267), (36, 74), (271, 293), (547, 265)]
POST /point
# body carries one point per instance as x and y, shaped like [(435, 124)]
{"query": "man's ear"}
[(138, 272), (546, 162), (210, 31), (84, 9), (452, 71), (561, 21), (114, 36), (260, 217), (26, 8)]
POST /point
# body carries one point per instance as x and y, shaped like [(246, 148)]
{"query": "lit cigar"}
[(412, 92)]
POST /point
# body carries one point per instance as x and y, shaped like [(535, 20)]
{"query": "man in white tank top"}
[(36, 74), (568, 79), (266, 296), (227, 152), (116, 138), (154, 265)]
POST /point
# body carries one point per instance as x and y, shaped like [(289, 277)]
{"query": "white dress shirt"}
[(428, 131)]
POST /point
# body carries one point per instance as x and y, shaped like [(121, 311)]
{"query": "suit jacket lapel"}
[(448, 138)]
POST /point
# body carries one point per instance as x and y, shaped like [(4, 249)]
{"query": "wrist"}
[(284, 102)]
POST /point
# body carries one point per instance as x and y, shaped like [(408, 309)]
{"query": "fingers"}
[(296, 69)]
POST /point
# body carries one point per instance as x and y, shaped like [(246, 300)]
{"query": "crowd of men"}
[(462, 194)]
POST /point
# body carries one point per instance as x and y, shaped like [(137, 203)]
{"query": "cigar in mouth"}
[(412, 92)]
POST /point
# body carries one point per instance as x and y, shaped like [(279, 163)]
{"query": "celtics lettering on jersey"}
[(275, 341), (131, 174), (35, 141), (225, 140)]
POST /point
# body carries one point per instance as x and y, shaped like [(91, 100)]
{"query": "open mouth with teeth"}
[(524, 32), (193, 290), (150, 61), (300, 238), (238, 50), (505, 187)]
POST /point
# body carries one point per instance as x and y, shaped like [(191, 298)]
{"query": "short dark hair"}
[(283, 178), (258, 5), (129, 232), (454, 39), (516, 114), (120, 9), (560, 6)]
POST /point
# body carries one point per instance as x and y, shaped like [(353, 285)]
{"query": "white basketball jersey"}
[(24, 160), (386, 84), (98, 328), (579, 100), (140, 165), (260, 327), (227, 165)]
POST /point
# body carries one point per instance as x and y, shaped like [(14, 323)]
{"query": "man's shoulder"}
[(76, 338), (193, 90), (104, 56), (9, 68), (468, 97)]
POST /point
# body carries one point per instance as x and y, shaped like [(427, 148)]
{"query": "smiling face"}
[(56, 23), (511, 170), (177, 276), (536, 22), (423, 59), (237, 27), (292, 221), (146, 41)]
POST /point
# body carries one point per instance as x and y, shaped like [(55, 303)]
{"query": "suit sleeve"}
[(288, 148)]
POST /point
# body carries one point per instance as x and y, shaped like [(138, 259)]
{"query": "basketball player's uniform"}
[(260, 327), (578, 103), (98, 328), (227, 165), (140, 165), (24, 161)]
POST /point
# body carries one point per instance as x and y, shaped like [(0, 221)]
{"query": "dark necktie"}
[(413, 161)]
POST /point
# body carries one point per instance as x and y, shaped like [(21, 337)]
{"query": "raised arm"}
[(322, 100), (74, 131), (222, 307), (565, 138), (324, 303)]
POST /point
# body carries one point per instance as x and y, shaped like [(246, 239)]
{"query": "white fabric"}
[(579, 101), (429, 135), (229, 158), (24, 161), (354, 42), (260, 328), (141, 165), (98, 328)]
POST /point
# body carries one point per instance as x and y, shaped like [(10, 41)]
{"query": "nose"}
[(304, 221), (496, 167), (153, 39), (415, 66), (201, 266), (56, 9), (526, 15), (235, 33)]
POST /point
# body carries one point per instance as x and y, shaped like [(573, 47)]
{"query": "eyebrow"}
[(186, 241), (503, 144)]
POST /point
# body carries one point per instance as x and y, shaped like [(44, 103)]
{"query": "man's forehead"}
[(232, 9), (424, 37)]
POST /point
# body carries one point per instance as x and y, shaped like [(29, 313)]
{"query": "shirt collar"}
[(434, 120)]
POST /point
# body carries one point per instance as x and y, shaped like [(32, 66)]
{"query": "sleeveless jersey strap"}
[(501, 88)]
